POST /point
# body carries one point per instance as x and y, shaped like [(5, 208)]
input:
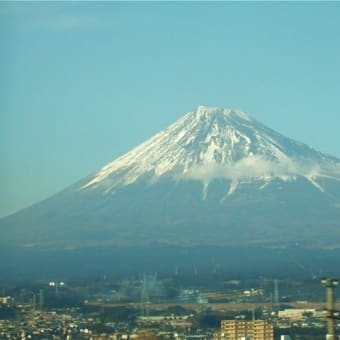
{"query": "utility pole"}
[(253, 313), (331, 313)]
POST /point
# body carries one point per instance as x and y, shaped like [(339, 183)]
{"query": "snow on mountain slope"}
[(214, 177), (211, 143)]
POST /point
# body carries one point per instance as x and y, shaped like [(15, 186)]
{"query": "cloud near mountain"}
[(247, 168), (272, 189)]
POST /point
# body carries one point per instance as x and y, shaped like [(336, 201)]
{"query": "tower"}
[(144, 297), (276, 292), (34, 302), (41, 299), (331, 313)]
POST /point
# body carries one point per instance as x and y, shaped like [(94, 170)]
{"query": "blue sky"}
[(82, 83)]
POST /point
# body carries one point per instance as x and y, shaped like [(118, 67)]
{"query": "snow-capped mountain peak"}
[(214, 177), (207, 112), (216, 143)]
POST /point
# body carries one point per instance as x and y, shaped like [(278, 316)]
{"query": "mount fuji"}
[(214, 177)]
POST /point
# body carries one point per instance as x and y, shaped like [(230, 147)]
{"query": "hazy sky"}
[(82, 83)]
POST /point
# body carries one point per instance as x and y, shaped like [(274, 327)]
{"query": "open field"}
[(213, 306)]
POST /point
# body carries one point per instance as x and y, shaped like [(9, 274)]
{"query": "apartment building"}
[(244, 330)]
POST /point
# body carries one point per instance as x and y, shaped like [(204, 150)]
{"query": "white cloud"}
[(249, 168)]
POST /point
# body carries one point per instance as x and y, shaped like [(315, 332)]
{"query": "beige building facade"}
[(245, 329)]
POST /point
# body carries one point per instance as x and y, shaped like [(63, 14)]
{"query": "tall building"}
[(244, 329)]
